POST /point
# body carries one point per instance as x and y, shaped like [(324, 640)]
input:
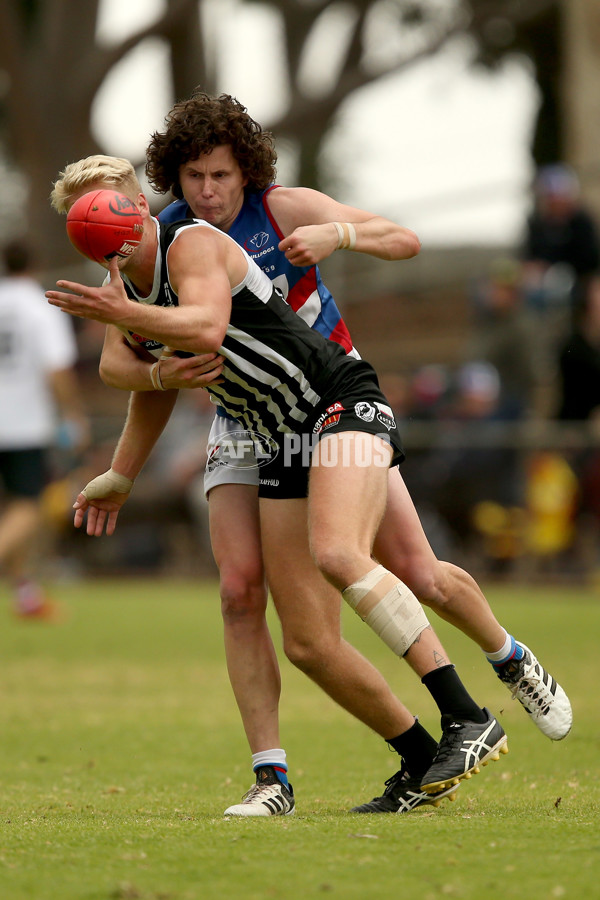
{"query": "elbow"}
[(209, 340), (405, 245), (209, 346), (107, 376)]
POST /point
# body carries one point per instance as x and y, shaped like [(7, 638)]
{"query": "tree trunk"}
[(581, 95)]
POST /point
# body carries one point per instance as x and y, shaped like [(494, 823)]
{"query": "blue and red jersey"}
[(257, 232)]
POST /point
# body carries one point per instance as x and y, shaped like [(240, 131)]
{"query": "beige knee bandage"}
[(388, 607)]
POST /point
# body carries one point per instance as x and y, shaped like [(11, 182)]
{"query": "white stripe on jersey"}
[(268, 400), (251, 415), (248, 416), (271, 354), (288, 399)]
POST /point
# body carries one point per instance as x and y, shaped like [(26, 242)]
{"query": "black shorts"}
[(362, 407), (23, 473)]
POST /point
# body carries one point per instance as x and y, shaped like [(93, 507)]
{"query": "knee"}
[(243, 596), (427, 581), (304, 652), (335, 563)]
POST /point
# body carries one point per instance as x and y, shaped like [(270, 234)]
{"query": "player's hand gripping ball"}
[(102, 224)]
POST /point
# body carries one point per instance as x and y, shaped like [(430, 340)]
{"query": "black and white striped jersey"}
[(278, 372)]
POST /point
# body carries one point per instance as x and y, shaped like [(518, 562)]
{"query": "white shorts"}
[(241, 469)]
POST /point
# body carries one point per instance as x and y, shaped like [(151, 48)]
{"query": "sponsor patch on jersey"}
[(365, 411), (385, 416), (148, 343)]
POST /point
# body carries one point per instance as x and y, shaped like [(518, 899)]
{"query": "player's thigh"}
[(401, 541), (235, 530), (347, 491), (307, 605)]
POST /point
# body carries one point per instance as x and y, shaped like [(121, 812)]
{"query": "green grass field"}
[(121, 746)]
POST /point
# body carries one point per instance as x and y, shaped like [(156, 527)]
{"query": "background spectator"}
[(37, 380), (560, 232), (504, 334), (579, 361)]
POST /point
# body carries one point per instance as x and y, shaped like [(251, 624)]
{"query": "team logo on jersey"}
[(256, 242), (242, 450), (385, 416), (365, 411)]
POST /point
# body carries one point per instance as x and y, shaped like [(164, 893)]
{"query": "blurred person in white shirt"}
[(39, 397)]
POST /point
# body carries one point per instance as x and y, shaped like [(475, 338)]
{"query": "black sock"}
[(451, 696), (416, 747)]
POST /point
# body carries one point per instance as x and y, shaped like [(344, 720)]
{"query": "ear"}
[(142, 205)]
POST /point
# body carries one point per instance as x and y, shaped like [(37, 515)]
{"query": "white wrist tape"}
[(388, 607), (346, 235), (105, 484), (155, 377)]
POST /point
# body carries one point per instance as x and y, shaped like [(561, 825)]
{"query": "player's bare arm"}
[(204, 266), (307, 219), (103, 497), (197, 266), (127, 368)]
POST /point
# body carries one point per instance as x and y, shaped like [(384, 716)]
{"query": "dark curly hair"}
[(198, 125)]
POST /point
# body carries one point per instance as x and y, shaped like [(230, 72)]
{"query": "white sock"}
[(276, 758), (505, 650)]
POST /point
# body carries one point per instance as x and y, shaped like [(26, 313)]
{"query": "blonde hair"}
[(94, 170)]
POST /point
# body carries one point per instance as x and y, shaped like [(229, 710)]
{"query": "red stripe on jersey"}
[(302, 290), (265, 201), (341, 334)]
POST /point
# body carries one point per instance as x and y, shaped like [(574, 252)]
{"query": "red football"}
[(102, 224)]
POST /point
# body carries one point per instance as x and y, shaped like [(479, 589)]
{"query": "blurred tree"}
[(54, 67)]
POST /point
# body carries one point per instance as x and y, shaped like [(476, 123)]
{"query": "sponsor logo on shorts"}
[(329, 421), (269, 482), (365, 411), (330, 417), (242, 450), (385, 416)]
